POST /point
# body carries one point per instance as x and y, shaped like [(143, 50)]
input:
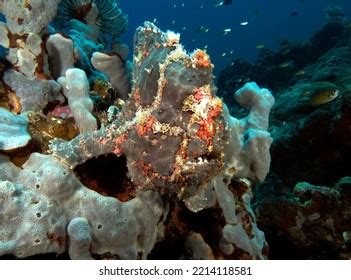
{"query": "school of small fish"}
[(230, 31)]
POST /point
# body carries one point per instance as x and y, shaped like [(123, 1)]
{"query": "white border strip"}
[(86, 270)]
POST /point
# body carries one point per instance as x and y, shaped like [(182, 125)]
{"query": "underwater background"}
[(201, 23), (246, 157)]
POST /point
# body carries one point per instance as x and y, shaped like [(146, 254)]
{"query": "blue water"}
[(269, 21)]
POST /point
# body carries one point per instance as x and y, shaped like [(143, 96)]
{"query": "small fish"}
[(260, 46), (225, 32), (300, 73), (285, 52), (286, 64), (242, 80), (219, 4), (294, 14), (203, 29), (244, 23), (323, 96), (247, 79), (223, 54)]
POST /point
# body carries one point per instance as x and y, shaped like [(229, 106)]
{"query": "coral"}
[(310, 125), (29, 79), (50, 198), (321, 131), (8, 99), (102, 14), (166, 156), (60, 51), (26, 53), (38, 59), (201, 59), (314, 217), (4, 38), (115, 69), (75, 86), (198, 247), (13, 131), (335, 14), (22, 206), (178, 138), (85, 44), (277, 70), (44, 129), (34, 94), (254, 152), (30, 16)]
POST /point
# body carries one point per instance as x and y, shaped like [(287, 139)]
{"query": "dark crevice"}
[(107, 175), (180, 223)]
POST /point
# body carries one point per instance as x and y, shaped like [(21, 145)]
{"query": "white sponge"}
[(76, 88)]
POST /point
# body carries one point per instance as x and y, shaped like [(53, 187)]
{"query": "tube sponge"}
[(248, 150), (76, 88), (60, 51), (80, 239), (115, 68)]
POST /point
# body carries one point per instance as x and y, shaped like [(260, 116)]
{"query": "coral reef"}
[(113, 66), (179, 139), (23, 35), (85, 41), (34, 94), (48, 196), (61, 54), (173, 155), (100, 160), (103, 15), (13, 131), (310, 125), (31, 16), (76, 89), (277, 70), (314, 217)]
